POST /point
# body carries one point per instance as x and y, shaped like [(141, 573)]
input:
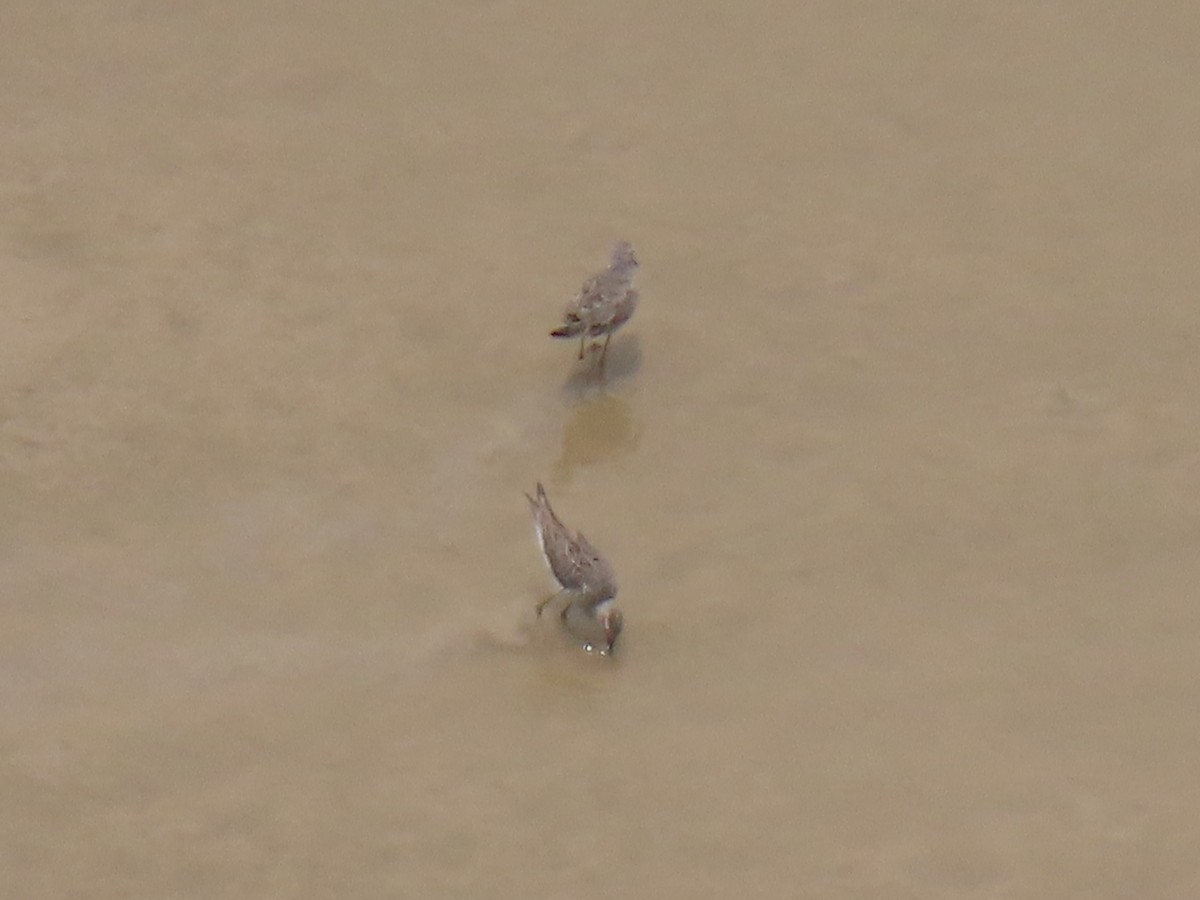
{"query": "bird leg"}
[(547, 602), (581, 339), (604, 352)]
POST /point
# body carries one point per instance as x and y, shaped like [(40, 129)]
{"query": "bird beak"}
[(610, 634)]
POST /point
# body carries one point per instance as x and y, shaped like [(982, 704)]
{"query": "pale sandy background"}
[(897, 463)]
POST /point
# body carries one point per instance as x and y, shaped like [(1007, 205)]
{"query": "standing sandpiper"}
[(578, 568), (604, 303)]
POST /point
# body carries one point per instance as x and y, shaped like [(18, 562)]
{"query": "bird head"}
[(613, 621), (621, 257)]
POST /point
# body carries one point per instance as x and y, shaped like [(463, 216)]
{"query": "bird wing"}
[(610, 288), (594, 571)]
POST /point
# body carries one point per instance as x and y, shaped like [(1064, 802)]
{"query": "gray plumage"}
[(577, 566), (605, 302)]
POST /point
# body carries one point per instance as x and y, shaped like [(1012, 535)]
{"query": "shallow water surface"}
[(895, 463)]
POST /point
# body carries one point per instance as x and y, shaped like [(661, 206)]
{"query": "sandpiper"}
[(604, 303), (578, 568)]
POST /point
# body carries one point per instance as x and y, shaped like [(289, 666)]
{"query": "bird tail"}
[(541, 500), (569, 329)]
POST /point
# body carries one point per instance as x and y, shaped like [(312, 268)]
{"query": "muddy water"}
[(896, 463)]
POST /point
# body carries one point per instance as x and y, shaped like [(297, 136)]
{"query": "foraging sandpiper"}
[(604, 303), (579, 570)]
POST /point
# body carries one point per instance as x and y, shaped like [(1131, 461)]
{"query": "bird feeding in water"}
[(579, 570)]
